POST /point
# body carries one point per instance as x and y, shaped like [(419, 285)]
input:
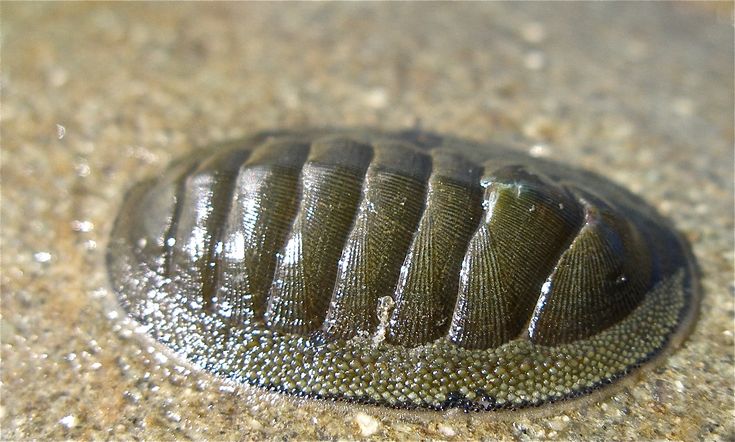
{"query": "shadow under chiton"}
[(402, 269)]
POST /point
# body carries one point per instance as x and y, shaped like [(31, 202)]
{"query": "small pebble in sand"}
[(42, 257), (446, 430), (368, 424), (68, 421)]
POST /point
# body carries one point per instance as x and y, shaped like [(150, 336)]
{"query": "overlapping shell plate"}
[(401, 269)]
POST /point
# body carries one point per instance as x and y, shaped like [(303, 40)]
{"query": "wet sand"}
[(98, 96)]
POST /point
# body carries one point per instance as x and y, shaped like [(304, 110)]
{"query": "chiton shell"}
[(402, 269)]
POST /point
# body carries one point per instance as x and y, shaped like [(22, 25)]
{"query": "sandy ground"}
[(97, 96)]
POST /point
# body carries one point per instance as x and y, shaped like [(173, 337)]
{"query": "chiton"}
[(404, 269)]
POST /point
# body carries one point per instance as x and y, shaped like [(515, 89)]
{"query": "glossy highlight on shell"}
[(402, 269)]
